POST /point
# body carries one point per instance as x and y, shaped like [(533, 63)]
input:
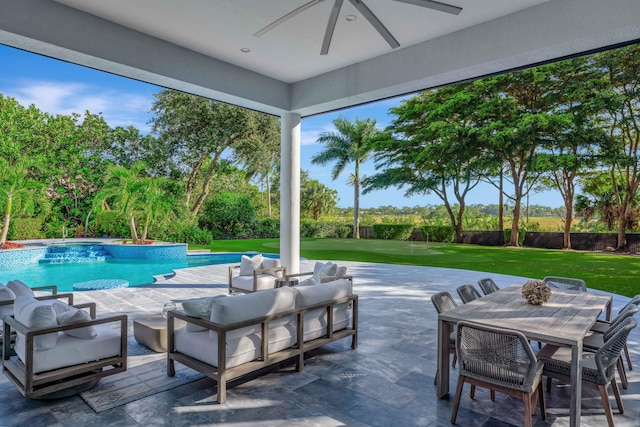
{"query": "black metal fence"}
[(534, 239)]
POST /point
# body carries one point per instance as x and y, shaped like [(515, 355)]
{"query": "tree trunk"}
[(205, 186), (268, 196), (568, 218), (191, 182), (356, 210), (501, 204), (513, 241), (132, 227), (622, 229), (7, 218)]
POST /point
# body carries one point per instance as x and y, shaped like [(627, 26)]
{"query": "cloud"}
[(119, 108), (309, 134)]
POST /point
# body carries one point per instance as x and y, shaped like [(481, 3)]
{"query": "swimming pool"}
[(136, 271)]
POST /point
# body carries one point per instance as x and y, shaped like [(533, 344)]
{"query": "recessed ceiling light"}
[(350, 18), (245, 50)]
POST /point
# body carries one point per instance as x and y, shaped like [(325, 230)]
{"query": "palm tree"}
[(122, 188), (350, 143), (19, 192)]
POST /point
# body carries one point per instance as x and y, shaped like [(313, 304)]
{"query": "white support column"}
[(290, 192)]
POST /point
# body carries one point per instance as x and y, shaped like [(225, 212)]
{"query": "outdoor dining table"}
[(564, 320)]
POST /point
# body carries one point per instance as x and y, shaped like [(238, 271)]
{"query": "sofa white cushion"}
[(257, 304), (315, 321), (36, 314), (324, 271), (71, 351), (199, 307), (272, 263), (20, 288), (263, 281), (6, 294), (249, 265), (243, 345)]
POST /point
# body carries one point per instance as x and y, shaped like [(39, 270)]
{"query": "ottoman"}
[(151, 332)]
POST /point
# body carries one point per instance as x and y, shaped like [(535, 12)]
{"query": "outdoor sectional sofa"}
[(228, 343)]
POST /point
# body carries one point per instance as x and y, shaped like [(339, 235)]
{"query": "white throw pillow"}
[(249, 265), (307, 282), (199, 307), (74, 315), (324, 271), (272, 263), (36, 314), (19, 288), (6, 294), (341, 272)]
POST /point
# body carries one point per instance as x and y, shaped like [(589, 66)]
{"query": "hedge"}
[(392, 231), (438, 233)]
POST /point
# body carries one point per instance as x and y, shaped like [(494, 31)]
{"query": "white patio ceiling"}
[(195, 45)]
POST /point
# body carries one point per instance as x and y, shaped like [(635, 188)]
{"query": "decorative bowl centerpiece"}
[(536, 292)]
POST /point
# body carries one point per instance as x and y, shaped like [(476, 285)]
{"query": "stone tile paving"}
[(387, 381)]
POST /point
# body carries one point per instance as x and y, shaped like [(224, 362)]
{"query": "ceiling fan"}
[(365, 11)]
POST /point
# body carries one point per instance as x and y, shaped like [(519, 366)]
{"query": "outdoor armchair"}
[(256, 273), (566, 283), (62, 350), (598, 369), (501, 360)]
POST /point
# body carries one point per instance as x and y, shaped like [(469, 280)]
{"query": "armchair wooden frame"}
[(256, 273), (288, 277), (55, 382)]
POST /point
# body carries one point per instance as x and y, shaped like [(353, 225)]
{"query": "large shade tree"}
[(350, 143), (620, 100), (194, 131), (431, 147)]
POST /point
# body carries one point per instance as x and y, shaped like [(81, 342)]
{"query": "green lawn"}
[(619, 274)]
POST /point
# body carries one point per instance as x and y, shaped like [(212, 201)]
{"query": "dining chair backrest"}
[(443, 301), (619, 321), (468, 293), (488, 285), (608, 355), (502, 357), (567, 283)]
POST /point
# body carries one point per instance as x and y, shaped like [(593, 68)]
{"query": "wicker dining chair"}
[(501, 360), (567, 283), (487, 285), (601, 326), (596, 340), (598, 369), (468, 293), (443, 301)]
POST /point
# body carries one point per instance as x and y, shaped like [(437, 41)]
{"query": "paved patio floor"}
[(387, 381)]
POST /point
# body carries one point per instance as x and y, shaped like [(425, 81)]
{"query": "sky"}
[(58, 87)]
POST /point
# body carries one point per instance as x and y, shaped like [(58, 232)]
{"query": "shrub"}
[(438, 233), (268, 228), (110, 223), (26, 228), (392, 231), (227, 212)]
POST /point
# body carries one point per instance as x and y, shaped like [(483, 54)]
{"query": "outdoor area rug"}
[(144, 379)]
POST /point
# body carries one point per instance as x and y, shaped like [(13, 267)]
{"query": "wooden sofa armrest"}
[(52, 288)]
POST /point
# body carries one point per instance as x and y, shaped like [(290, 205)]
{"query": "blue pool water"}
[(137, 272)]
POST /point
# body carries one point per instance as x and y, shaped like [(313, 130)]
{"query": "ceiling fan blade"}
[(287, 17), (435, 5), (331, 25), (375, 22)]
